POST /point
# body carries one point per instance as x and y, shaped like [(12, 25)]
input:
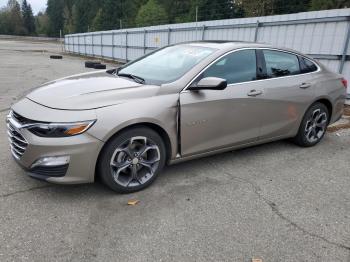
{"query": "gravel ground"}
[(277, 202)]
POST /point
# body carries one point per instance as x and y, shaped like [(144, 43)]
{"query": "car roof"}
[(225, 44)]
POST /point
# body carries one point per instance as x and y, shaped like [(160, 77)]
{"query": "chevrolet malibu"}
[(178, 103)]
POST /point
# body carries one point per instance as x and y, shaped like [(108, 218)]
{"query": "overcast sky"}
[(37, 5)]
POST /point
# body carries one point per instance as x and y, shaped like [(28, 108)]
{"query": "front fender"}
[(159, 110)]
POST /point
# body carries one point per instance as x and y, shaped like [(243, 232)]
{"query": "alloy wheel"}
[(135, 161), (316, 125)]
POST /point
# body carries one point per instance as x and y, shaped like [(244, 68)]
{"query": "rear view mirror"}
[(210, 83)]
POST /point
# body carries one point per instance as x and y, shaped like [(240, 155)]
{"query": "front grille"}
[(50, 171), (18, 143)]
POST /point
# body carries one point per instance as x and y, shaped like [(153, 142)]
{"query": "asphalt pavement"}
[(277, 202)]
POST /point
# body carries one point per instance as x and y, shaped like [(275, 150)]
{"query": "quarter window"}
[(281, 64), (236, 67), (307, 66)]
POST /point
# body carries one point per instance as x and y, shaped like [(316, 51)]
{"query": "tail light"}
[(344, 82)]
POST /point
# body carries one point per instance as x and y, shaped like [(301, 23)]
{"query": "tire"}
[(119, 160), (91, 64), (100, 66), (56, 56), (313, 126)]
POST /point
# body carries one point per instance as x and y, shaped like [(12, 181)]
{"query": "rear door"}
[(288, 91), (215, 119)]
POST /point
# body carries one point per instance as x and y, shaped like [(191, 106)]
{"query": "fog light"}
[(52, 161)]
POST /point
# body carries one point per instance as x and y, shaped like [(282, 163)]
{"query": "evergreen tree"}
[(151, 14), (5, 23), (28, 18), (15, 25), (290, 6), (55, 13), (68, 16), (97, 23), (85, 11), (329, 4), (42, 24)]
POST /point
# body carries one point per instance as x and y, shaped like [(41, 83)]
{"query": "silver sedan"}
[(178, 103)]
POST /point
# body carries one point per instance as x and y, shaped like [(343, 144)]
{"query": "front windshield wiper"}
[(137, 79)]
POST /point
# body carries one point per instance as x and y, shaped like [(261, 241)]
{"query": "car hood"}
[(90, 91)]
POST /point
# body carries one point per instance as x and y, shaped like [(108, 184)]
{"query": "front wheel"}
[(132, 160), (313, 126)]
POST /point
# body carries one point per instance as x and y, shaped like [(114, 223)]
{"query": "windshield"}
[(167, 64)]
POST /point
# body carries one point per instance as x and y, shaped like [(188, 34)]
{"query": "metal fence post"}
[(101, 44), (144, 41), (203, 32), (78, 37), (126, 46), (256, 31), (85, 44), (92, 45), (113, 45), (345, 50), (169, 34)]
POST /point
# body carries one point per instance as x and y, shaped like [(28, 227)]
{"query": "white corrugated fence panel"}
[(312, 37)]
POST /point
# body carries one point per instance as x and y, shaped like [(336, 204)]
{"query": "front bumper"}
[(81, 150)]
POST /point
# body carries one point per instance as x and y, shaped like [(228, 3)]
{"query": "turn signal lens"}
[(75, 130)]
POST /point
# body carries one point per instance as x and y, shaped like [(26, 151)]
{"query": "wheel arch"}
[(327, 103), (155, 127)]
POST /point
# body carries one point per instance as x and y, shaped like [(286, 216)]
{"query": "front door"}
[(215, 119)]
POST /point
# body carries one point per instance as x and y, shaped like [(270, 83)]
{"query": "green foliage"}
[(85, 12), (55, 13), (151, 14), (75, 16), (68, 15), (28, 18), (97, 23), (5, 24), (42, 24), (11, 21), (329, 4)]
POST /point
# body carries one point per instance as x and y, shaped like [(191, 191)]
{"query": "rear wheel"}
[(132, 160), (313, 126)]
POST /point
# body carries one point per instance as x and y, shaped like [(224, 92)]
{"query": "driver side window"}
[(236, 67)]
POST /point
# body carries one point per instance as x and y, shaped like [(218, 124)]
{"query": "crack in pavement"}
[(257, 190), (24, 191)]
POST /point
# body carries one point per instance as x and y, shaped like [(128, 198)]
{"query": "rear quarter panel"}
[(330, 87)]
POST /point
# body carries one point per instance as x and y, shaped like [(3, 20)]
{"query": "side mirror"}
[(210, 83)]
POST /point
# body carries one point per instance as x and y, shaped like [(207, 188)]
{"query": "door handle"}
[(305, 85), (254, 92)]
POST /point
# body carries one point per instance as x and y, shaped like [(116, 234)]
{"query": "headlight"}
[(59, 129)]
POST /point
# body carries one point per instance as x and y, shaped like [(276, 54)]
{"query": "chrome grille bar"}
[(18, 143)]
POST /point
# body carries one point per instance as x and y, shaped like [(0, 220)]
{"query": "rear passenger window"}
[(306, 65), (281, 64)]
